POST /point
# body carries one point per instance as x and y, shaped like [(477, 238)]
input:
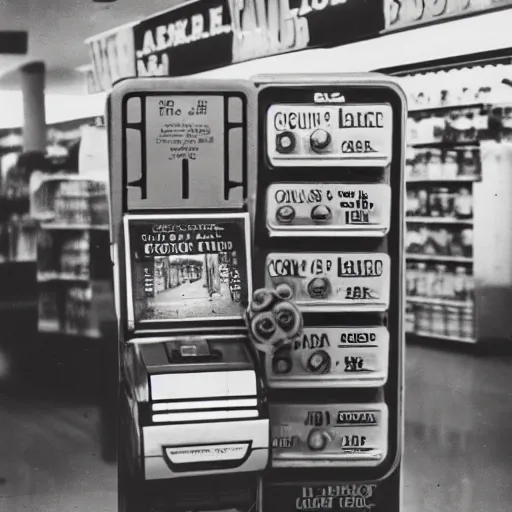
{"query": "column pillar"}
[(34, 116)]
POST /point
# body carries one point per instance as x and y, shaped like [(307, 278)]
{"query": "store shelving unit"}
[(73, 223), (449, 196)]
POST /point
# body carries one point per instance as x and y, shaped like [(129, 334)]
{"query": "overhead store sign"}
[(208, 34), (410, 13), (112, 56)]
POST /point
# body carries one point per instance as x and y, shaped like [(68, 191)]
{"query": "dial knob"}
[(318, 288), (317, 440), (282, 362), (319, 362), (319, 139), (321, 213), (285, 214), (285, 142)]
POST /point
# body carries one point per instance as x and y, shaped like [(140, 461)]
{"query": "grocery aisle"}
[(457, 458)]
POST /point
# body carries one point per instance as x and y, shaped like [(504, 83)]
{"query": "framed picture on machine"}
[(187, 270)]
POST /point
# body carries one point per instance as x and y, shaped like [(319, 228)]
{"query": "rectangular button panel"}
[(328, 209), (332, 281), (332, 357), (326, 135), (306, 435)]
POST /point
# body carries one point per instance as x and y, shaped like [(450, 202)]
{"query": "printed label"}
[(328, 435), (214, 453), (332, 281), (338, 357), (346, 135), (309, 209), (184, 135)]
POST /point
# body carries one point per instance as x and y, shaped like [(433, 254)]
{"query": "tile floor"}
[(458, 455)]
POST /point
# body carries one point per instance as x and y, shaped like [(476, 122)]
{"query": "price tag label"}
[(333, 357), (337, 136), (314, 209), (328, 435), (332, 281)]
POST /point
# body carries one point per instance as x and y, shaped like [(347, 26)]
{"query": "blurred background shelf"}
[(438, 257), (436, 336), (438, 220), (440, 302)]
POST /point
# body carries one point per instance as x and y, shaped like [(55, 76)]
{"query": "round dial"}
[(285, 214), (285, 142), (318, 288), (317, 440), (320, 139), (321, 213), (319, 362)]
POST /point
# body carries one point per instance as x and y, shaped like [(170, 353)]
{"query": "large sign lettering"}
[(408, 13), (205, 35), (113, 57)]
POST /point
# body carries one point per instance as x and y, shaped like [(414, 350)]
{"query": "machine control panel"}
[(340, 356), (299, 135), (305, 209), (332, 281), (328, 226), (309, 435)]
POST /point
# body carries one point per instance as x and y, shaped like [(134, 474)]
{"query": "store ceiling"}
[(57, 30)]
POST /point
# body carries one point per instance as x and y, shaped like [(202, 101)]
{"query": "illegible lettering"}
[(358, 337), (359, 268), (357, 146), (351, 119), (349, 418)]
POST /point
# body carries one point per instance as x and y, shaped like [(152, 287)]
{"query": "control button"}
[(319, 362), (317, 440), (265, 326), (282, 361), (285, 142), (319, 139), (284, 291), (261, 300), (321, 213), (318, 288), (287, 317), (285, 214)]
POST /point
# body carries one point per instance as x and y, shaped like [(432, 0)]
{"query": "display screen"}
[(188, 267)]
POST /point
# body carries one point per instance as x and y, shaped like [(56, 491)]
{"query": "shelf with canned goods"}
[(50, 276), (456, 179), (438, 220), (437, 257), (433, 335), (433, 301), (75, 226)]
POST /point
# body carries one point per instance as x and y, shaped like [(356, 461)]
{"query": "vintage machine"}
[(194, 428), (257, 239), (328, 225)]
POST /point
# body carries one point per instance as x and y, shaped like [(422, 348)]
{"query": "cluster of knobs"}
[(275, 324), (286, 142)]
